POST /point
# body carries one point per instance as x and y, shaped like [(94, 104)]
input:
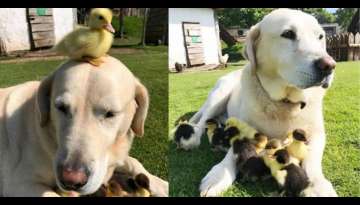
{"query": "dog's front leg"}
[(220, 177), (158, 187), (319, 185)]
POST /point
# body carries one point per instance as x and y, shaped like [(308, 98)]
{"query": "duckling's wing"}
[(75, 43)]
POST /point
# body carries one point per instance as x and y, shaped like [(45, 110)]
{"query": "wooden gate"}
[(193, 43), (41, 27)]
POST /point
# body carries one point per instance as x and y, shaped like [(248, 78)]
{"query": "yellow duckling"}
[(299, 145), (271, 147), (89, 43), (239, 129), (260, 142)]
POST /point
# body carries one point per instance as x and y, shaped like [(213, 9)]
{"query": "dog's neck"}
[(278, 90)]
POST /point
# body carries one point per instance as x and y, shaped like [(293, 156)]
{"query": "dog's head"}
[(290, 44), (93, 112)]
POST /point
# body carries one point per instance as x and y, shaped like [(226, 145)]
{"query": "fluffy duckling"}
[(271, 147), (244, 149), (182, 135), (260, 142), (89, 43), (296, 181), (254, 168), (299, 145), (240, 128), (280, 159), (248, 162), (216, 135), (289, 175), (123, 185)]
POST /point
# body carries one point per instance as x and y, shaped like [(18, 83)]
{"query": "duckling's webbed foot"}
[(93, 61)]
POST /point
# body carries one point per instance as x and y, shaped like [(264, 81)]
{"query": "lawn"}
[(149, 65), (341, 162)]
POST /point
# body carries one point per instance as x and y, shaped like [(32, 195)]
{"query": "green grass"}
[(133, 28), (149, 65), (341, 162)]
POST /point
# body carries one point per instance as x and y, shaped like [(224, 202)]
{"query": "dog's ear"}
[(43, 100), (249, 51), (142, 102)]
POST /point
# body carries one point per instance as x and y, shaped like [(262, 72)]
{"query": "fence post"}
[(357, 48), (350, 49)]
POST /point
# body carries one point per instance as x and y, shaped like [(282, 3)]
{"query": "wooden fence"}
[(344, 46)]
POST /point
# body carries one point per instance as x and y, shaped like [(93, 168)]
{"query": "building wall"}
[(14, 28), (210, 35), (63, 22)]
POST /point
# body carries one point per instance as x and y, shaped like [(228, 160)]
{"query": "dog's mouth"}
[(307, 80)]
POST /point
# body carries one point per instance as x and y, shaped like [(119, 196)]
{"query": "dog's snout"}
[(73, 177), (325, 64)]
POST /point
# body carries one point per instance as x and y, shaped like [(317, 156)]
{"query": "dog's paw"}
[(217, 180), (159, 187), (320, 188), (187, 136)]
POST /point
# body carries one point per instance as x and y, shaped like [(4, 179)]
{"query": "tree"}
[(243, 17), (246, 17), (321, 14), (344, 16)]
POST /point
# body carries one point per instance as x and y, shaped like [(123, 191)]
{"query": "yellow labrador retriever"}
[(279, 90), (71, 130)]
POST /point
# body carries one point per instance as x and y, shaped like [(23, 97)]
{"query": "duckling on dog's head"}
[(100, 18)]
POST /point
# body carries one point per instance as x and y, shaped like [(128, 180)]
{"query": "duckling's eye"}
[(101, 17), (321, 36), (289, 34)]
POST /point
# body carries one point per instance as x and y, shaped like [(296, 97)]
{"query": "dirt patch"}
[(48, 54)]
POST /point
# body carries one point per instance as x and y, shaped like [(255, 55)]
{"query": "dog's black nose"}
[(73, 177), (325, 65)]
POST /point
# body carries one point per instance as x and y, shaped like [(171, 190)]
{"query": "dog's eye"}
[(321, 36), (289, 34), (63, 108), (109, 114)]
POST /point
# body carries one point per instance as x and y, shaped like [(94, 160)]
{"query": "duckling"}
[(182, 135), (243, 129), (244, 150), (123, 185), (299, 146), (260, 141), (296, 180), (89, 43), (254, 168), (216, 135), (271, 147), (140, 186), (280, 159)]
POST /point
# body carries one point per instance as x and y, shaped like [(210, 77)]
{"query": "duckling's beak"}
[(109, 28)]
